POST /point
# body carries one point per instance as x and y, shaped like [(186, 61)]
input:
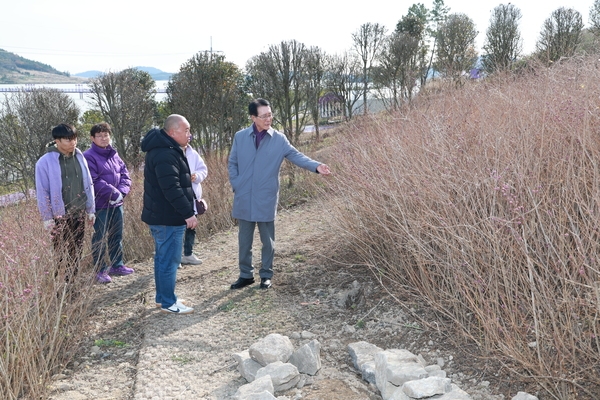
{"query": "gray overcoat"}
[(254, 173)]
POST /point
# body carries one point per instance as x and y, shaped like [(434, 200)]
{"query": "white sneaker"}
[(178, 308), (192, 259)]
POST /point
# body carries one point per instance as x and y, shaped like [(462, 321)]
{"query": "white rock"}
[(427, 387), (524, 396), (258, 386), (271, 348)]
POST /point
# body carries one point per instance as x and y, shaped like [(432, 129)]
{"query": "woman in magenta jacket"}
[(111, 185)]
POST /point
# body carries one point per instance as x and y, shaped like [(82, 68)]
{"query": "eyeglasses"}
[(265, 116)]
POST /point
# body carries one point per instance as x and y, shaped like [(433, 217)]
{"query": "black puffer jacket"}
[(168, 194)]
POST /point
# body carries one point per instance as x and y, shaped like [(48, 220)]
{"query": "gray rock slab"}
[(307, 358), (427, 387), (247, 367), (271, 348), (368, 372), (435, 370), (283, 375), (257, 387), (362, 352), (397, 367)]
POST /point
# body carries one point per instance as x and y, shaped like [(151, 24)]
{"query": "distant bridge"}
[(81, 89)]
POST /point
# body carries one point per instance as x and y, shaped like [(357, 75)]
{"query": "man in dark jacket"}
[(168, 205)]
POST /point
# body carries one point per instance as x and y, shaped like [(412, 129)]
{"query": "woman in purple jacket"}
[(111, 185)]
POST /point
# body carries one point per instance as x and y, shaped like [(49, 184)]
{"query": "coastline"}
[(35, 77)]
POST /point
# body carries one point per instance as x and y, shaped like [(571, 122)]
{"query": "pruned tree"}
[(209, 92), (280, 76), (594, 18), (560, 35), (415, 24), (87, 120), (367, 41), (436, 17), (402, 59), (127, 102), (503, 43), (397, 72), (26, 122), (315, 74), (343, 80), (456, 46)]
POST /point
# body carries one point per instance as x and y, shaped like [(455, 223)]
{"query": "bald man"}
[(168, 205)]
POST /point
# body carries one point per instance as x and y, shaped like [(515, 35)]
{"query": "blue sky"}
[(109, 35)]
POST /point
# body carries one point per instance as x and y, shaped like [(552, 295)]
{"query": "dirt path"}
[(133, 351)]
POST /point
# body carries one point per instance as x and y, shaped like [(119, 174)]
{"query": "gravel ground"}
[(133, 351)]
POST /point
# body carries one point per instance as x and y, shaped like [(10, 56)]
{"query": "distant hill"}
[(15, 69), (89, 74), (155, 73)]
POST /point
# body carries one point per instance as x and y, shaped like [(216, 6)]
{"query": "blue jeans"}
[(167, 256), (266, 231), (108, 232), (188, 242)]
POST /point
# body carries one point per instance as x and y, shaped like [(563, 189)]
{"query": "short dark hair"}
[(64, 131), (101, 127), (253, 106)]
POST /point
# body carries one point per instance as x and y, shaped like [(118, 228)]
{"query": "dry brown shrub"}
[(138, 244), (41, 317), (485, 202), (217, 192)]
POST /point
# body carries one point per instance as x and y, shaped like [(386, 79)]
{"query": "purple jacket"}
[(109, 174), (48, 185)]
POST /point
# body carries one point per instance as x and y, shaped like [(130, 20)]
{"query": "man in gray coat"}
[(254, 162)]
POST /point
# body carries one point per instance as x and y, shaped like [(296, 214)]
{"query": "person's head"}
[(65, 137), (100, 134), (178, 128), (260, 112)]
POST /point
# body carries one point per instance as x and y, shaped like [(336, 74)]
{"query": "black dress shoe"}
[(242, 282), (265, 283)]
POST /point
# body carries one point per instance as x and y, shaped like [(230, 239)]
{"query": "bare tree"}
[(456, 46), (343, 80), (367, 41), (594, 18), (402, 59), (26, 122), (503, 44), (397, 72), (415, 24), (560, 35), (280, 75), (209, 91), (315, 73), (126, 100), (435, 18)]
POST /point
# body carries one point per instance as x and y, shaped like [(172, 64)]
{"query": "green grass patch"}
[(109, 343)]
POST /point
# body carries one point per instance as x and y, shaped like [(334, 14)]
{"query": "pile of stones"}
[(272, 365)]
